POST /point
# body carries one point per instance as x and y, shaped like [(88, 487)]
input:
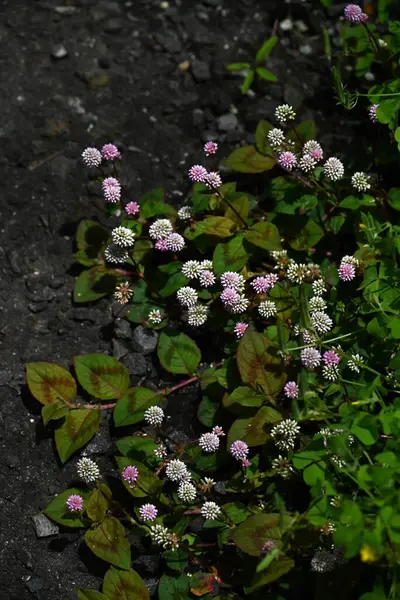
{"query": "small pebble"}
[(59, 51)]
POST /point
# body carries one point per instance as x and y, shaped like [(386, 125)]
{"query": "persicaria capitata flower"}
[(229, 297), (210, 148), (187, 296), (74, 503), (87, 470), (154, 415), (110, 152), (230, 279), (287, 160), (314, 149), (116, 254), (160, 229), (213, 180), (284, 113), (174, 242), (197, 173), (148, 512), (268, 546), (310, 357), (161, 245), (291, 390), (185, 213), (176, 470), (123, 293), (330, 357), (347, 271), (275, 137), (132, 208), (353, 13), (372, 113), (207, 279), (240, 329), (323, 561), (316, 303), (210, 510), (91, 157), (130, 474), (123, 237), (321, 321), (217, 430), (111, 189), (307, 163), (267, 309), (333, 169), (209, 442), (197, 315), (360, 181), (155, 316), (239, 450), (187, 492), (192, 269)]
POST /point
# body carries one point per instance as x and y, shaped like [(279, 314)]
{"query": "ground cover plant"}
[(292, 482)]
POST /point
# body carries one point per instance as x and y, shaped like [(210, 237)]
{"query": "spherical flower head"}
[(287, 160), (213, 180), (323, 561), (87, 470), (240, 306), (123, 237), (267, 309), (206, 264), (115, 254), (317, 303), (210, 510), (110, 152), (330, 357), (307, 163), (207, 279), (284, 434), (282, 467), (197, 315), (187, 296), (275, 137), (239, 450), (154, 415), (268, 547), (155, 317), (314, 149), (111, 189), (123, 293), (175, 242), (187, 492), (240, 329), (91, 157), (160, 451), (291, 390), (197, 173), (130, 474), (284, 113), (330, 372), (261, 285), (318, 287), (210, 148), (132, 209), (310, 357), (148, 512), (364, 17), (176, 470), (372, 113), (229, 297), (192, 269), (209, 442), (230, 279), (185, 213), (217, 430), (321, 321), (353, 13), (359, 181), (74, 503), (317, 154), (296, 272), (161, 245), (347, 271), (333, 169), (160, 229), (355, 362)]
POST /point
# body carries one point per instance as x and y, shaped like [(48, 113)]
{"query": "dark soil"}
[(120, 81)]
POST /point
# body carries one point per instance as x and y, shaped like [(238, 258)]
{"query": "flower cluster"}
[(285, 433), (87, 470)]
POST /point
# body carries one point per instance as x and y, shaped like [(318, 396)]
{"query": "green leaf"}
[(101, 375), (171, 588), (108, 542), (266, 74), (98, 504), (152, 204), (365, 428), (265, 235), (146, 484), (262, 145), (241, 399), (238, 66), (305, 131), (137, 447), (387, 112), (251, 535), (277, 569), (337, 223), (177, 560), (207, 411), (55, 410), (248, 160), (90, 595), (178, 353), (124, 585), (394, 198), (95, 283), (259, 363), (48, 382), (218, 226), (248, 80), (266, 49), (240, 209), (230, 256), (90, 237), (131, 407), (78, 428), (258, 430), (308, 237), (57, 509)]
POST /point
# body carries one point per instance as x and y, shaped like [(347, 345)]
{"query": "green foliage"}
[(250, 70)]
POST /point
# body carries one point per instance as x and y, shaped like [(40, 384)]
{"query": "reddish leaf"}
[(201, 583), (49, 382), (109, 543), (78, 428), (101, 375), (124, 585), (252, 534)]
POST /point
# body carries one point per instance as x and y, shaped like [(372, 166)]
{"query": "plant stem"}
[(239, 216)]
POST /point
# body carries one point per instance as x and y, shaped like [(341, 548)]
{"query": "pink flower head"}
[(74, 503), (110, 152), (364, 17), (132, 208), (130, 474), (268, 547), (209, 442), (353, 13), (91, 157), (372, 113), (331, 358), (291, 390), (260, 285), (217, 430), (213, 180), (239, 450), (347, 271), (111, 189), (310, 357), (210, 148), (148, 512), (246, 463), (161, 245), (287, 160), (316, 154), (197, 173), (240, 329), (229, 297), (232, 280), (175, 242), (207, 278)]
